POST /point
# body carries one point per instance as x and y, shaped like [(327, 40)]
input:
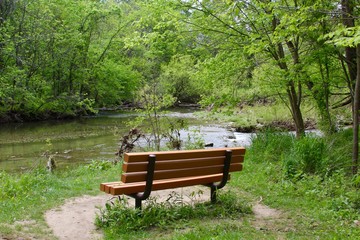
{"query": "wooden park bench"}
[(150, 171)]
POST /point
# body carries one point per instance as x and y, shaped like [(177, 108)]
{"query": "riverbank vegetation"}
[(308, 181)]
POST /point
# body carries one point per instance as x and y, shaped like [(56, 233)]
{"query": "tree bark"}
[(355, 157), (293, 95), (347, 7), (352, 56)]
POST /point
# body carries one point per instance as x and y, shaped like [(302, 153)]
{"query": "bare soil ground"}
[(75, 219)]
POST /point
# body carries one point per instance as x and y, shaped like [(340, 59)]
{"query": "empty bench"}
[(151, 171)]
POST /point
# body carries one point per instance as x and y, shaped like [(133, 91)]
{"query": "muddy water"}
[(81, 141)]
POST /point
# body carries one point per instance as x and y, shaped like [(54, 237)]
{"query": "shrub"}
[(308, 155), (120, 217), (340, 155), (270, 145)]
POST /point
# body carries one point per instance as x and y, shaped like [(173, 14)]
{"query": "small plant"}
[(154, 101), (99, 165), (119, 216), (158, 130), (173, 134), (128, 142), (195, 140)]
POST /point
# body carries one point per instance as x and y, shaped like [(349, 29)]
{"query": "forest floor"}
[(75, 219)]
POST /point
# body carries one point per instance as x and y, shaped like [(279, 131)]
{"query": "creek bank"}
[(277, 125), (22, 117)]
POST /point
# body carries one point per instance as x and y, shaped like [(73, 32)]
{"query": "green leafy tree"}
[(56, 55), (177, 79)]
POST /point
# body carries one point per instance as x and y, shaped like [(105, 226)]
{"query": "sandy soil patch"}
[(75, 219)]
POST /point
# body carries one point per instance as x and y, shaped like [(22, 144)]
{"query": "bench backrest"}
[(177, 164)]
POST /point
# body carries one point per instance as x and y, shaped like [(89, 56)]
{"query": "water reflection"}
[(81, 141)]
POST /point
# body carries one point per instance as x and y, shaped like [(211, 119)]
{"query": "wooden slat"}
[(118, 188), (104, 185), (182, 154), (180, 164), (178, 173)]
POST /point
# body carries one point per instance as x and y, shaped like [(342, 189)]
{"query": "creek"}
[(22, 145)]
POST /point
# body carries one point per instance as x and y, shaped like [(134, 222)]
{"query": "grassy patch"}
[(25, 198), (118, 218), (322, 199)]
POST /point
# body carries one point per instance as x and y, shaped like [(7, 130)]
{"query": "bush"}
[(340, 155), (120, 217), (270, 146), (308, 155)]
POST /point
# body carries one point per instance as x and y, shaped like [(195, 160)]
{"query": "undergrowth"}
[(118, 217), (309, 177)]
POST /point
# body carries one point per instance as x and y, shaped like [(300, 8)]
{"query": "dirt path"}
[(75, 219)]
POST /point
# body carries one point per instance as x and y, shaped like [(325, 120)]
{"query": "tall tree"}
[(352, 55), (347, 36), (257, 27)]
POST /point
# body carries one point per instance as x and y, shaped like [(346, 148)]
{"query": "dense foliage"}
[(62, 59)]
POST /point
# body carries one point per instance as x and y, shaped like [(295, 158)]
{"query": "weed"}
[(120, 217), (99, 165), (307, 156), (194, 140), (270, 146)]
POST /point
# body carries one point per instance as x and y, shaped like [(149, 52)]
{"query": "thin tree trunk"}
[(347, 7), (355, 157), (293, 95), (296, 111), (352, 56)]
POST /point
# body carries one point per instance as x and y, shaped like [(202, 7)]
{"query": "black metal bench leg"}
[(214, 187), (149, 181), (213, 194), (138, 203)]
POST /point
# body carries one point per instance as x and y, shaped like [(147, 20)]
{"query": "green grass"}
[(25, 197), (323, 203), (316, 208), (118, 219)]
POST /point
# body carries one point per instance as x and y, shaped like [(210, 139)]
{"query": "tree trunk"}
[(347, 7), (296, 111), (293, 95), (355, 157), (352, 56)]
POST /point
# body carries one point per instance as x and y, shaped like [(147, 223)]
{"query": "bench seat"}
[(119, 188)]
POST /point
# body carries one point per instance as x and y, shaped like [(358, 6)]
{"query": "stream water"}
[(80, 141)]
